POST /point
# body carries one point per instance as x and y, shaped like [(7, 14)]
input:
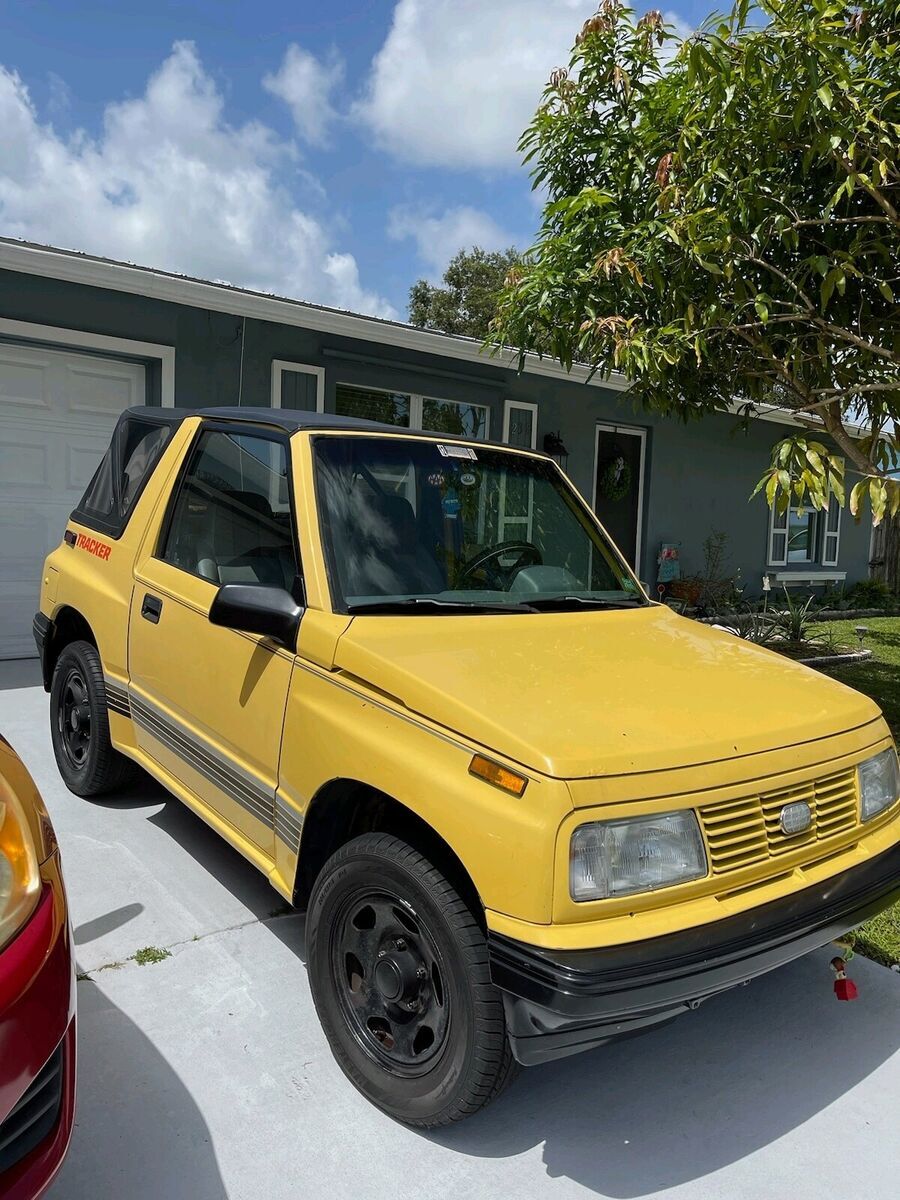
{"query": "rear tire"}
[(79, 725), (398, 967)]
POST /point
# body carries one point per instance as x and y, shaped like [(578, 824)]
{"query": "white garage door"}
[(57, 411)]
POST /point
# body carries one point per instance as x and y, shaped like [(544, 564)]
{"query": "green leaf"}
[(825, 95)]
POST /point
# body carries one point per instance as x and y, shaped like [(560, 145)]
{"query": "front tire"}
[(398, 967), (79, 725)]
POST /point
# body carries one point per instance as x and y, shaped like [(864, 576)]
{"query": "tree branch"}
[(835, 425), (882, 202)]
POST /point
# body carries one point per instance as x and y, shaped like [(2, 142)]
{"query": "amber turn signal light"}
[(500, 777)]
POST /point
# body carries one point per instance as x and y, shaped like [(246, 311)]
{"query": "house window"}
[(411, 411), (298, 386), (449, 416), (805, 535), (372, 404), (520, 424)]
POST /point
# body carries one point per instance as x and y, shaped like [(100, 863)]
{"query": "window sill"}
[(807, 574)]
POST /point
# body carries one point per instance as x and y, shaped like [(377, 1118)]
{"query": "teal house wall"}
[(697, 477)]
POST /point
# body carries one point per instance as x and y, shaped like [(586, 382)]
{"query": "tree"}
[(722, 224), (465, 305)]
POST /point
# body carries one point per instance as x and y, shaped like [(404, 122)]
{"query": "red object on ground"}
[(845, 989), (37, 1044)]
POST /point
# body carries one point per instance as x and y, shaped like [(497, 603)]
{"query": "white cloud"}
[(438, 238), (682, 28), (305, 84), (170, 184), (457, 81)]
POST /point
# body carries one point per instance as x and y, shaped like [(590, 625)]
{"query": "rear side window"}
[(128, 463), (231, 520)]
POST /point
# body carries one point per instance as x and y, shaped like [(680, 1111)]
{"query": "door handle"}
[(151, 607)]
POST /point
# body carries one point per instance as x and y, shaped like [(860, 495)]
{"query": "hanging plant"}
[(615, 479)]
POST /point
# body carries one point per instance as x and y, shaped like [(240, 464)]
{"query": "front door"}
[(208, 703), (619, 487)]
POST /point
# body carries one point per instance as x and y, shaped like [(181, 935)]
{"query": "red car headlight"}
[(20, 882)]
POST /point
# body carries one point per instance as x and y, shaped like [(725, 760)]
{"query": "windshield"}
[(413, 525)]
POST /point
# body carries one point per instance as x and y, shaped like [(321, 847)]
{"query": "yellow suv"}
[(409, 677)]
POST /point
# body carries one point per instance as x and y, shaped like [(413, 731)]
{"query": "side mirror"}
[(269, 611)]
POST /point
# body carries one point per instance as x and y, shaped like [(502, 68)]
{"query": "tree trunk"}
[(886, 553)]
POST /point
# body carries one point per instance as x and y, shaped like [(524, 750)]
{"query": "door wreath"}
[(615, 479)]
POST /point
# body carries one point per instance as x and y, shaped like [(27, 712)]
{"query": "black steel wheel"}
[(79, 725), (399, 974), (389, 976), (73, 717)]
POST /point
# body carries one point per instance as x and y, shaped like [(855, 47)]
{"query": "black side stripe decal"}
[(117, 698), (287, 824), (261, 803), (257, 801)]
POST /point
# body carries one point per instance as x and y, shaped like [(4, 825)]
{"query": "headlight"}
[(640, 854), (879, 784), (19, 878)]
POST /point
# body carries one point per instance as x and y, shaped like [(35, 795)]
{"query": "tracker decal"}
[(93, 546)]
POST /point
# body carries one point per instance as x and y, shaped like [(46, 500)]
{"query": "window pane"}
[(800, 536), (447, 416), (778, 547), (521, 427), (834, 515), (391, 408), (133, 452), (298, 390), (232, 520)]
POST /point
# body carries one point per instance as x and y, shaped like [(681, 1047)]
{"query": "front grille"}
[(748, 830), (35, 1115)]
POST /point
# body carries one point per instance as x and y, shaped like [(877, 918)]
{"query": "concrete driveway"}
[(206, 1076)]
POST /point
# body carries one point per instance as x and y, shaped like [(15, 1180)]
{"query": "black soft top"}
[(288, 419), (291, 420)]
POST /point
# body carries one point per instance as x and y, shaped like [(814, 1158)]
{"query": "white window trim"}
[(810, 577), (508, 406), (417, 404), (831, 560), (280, 365), (634, 431), (60, 336), (822, 535), (771, 560)]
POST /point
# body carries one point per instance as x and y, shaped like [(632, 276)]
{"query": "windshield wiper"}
[(428, 604), (553, 603)]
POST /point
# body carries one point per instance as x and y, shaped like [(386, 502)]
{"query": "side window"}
[(231, 518), (134, 451)]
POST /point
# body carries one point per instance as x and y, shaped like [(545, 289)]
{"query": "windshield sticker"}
[(467, 479), (457, 452), (451, 506), (436, 479)]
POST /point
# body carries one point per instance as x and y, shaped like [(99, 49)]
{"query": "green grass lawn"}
[(878, 677)]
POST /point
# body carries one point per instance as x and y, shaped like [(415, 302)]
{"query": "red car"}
[(37, 991)]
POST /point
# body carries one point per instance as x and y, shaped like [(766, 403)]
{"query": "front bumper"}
[(560, 1002), (37, 1045)]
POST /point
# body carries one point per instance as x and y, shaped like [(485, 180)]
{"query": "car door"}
[(208, 702)]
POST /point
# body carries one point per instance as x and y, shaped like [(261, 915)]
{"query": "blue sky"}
[(331, 151)]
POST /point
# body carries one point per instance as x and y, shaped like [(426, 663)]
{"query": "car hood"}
[(584, 694)]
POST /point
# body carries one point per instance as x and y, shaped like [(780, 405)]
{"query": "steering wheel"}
[(526, 555)]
